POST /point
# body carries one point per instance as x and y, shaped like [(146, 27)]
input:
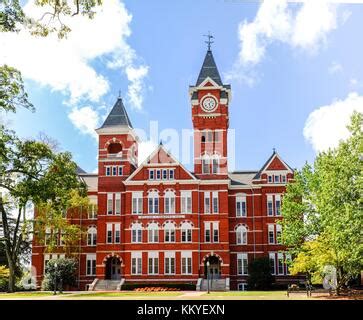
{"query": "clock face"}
[(209, 104)]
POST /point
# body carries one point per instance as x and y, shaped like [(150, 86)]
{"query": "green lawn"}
[(29, 294), (125, 294)]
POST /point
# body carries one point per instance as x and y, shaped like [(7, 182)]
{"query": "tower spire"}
[(209, 41)]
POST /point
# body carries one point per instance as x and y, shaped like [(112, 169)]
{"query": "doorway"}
[(113, 269)]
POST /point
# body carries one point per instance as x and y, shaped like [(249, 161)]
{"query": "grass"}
[(124, 294), (29, 294)]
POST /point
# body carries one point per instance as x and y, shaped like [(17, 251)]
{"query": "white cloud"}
[(68, 65), (326, 125), (85, 119), (136, 76), (304, 25), (335, 67)]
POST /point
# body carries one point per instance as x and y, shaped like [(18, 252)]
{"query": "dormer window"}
[(151, 174), (269, 179), (158, 174), (277, 179), (171, 174), (283, 178)]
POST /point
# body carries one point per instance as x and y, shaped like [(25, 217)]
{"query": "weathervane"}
[(209, 41)]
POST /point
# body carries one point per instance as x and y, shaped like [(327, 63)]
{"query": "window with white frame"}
[(136, 262), (158, 174), (277, 179), (109, 232), (171, 174), (165, 174), (153, 202), (242, 286), (109, 203), (92, 236), (205, 164), (169, 202), (215, 232), (241, 235), (91, 264), (241, 207), (272, 257), (151, 174), (114, 171), (280, 263), (218, 136), (153, 262), (108, 171), (278, 204), (283, 177), (92, 211), (278, 233), (120, 170), (136, 233), (215, 164), (242, 263), (137, 203), (186, 232), (118, 203), (186, 202), (153, 233), (117, 231), (269, 179), (207, 230), (270, 207), (169, 262), (215, 201), (271, 234), (207, 202), (169, 232), (186, 262)]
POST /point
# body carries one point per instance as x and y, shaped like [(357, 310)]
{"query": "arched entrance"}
[(214, 267), (113, 268)]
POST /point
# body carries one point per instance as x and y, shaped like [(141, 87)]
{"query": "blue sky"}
[(285, 66)]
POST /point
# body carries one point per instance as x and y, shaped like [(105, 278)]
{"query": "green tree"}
[(324, 205), (61, 272), (259, 274)]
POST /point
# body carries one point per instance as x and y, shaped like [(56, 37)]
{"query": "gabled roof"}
[(241, 177), (79, 170), (269, 160), (209, 69), (118, 116)]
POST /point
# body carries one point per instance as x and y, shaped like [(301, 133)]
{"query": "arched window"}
[(114, 148), (153, 202), (241, 235), (136, 233), (169, 232), (153, 232), (169, 201), (205, 164), (92, 236), (186, 232), (215, 164)]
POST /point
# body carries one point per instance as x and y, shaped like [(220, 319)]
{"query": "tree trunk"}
[(11, 283)]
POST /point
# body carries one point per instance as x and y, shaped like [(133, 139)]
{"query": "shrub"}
[(260, 277)]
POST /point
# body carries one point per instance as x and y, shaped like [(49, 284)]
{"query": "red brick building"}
[(160, 223)]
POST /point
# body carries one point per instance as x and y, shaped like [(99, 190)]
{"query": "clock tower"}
[(210, 99)]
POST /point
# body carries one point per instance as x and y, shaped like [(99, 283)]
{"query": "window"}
[(278, 204), (165, 174), (92, 211), (169, 232), (117, 233), (91, 265), (108, 171), (278, 233), (186, 232), (217, 136), (151, 174), (137, 203), (271, 234), (109, 203), (120, 171), (153, 233), (158, 174), (209, 136), (272, 262), (280, 263), (215, 165), (241, 235), (241, 209), (169, 202), (92, 236), (114, 171), (283, 178), (109, 232), (277, 179), (287, 261), (205, 165), (207, 232), (136, 262), (206, 202), (269, 179), (215, 232), (242, 263), (186, 202), (153, 262), (270, 210), (117, 203), (136, 233), (215, 202), (186, 262), (153, 199), (171, 174), (169, 263), (242, 286)]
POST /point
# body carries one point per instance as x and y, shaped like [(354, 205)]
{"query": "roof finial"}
[(274, 150), (161, 142), (209, 41), (119, 94)]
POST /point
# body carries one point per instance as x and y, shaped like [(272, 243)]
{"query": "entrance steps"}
[(215, 285), (107, 285)]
